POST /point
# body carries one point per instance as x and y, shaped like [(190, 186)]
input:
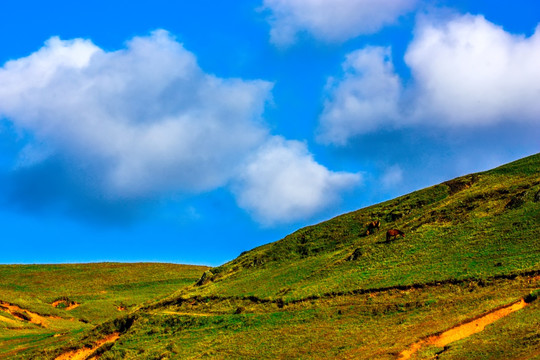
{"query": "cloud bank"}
[(331, 21), (142, 123), (465, 72)]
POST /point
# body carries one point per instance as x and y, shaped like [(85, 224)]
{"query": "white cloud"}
[(331, 21), (283, 183), (465, 72), (470, 71), (146, 121), (142, 120), (367, 96)]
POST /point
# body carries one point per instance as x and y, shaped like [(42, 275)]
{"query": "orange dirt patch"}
[(26, 315), (66, 305), (84, 353), (464, 330)]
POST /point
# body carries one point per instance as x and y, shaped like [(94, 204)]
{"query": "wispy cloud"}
[(392, 176), (331, 21)]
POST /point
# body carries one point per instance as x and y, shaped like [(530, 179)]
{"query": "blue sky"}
[(192, 131)]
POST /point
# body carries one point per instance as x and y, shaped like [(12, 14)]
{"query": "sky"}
[(190, 131)]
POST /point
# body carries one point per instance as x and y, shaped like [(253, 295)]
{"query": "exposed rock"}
[(205, 278), (355, 255), (461, 183)]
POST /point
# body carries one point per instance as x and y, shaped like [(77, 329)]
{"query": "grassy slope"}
[(476, 226), (515, 337), (471, 246), (368, 326), (99, 288), (467, 242)]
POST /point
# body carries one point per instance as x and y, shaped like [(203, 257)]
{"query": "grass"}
[(366, 326), (471, 246), (100, 288), (460, 229), (103, 290)]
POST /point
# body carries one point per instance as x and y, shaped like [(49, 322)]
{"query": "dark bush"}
[(515, 202), (357, 253), (239, 310)]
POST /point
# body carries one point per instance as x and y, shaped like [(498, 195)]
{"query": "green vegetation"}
[(330, 290), (368, 326), (101, 292), (477, 226)]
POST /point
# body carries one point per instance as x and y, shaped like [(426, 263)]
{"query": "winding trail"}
[(464, 330), (85, 352)]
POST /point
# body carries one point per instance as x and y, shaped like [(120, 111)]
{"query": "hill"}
[(479, 226), (461, 284), (42, 305)]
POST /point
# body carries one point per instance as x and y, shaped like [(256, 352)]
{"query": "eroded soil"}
[(463, 330), (84, 353)]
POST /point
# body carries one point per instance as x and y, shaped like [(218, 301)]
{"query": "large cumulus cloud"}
[(471, 71), (146, 118), (133, 125), (466, 72)]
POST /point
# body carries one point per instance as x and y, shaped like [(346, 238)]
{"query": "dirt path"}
[(464, 330), (84, 353), (168, 312), (26, 315)]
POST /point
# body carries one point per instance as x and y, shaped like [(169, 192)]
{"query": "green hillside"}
[(478, 226), (470, 259)]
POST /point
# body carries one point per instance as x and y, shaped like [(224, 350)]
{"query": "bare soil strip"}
[(84, 353), (169, 312), (464, 330), (26, 315)]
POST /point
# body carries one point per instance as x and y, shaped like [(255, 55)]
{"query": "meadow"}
[(471, 251), (69, 299)]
